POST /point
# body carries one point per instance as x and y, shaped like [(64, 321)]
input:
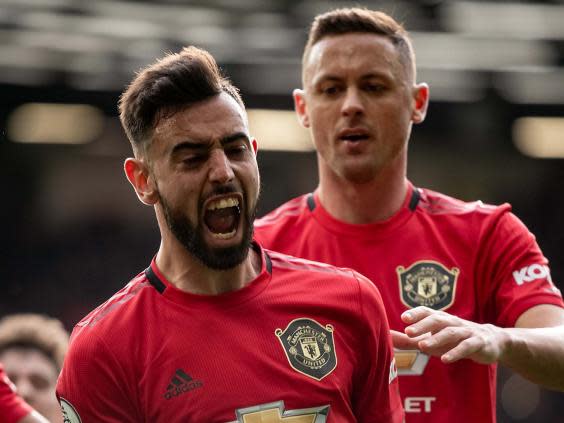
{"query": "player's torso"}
[(418, 263), (257, 362)]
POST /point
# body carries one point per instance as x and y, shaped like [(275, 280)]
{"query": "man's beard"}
[(191, 236)]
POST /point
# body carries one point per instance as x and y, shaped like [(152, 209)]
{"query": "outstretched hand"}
[(449, 337)]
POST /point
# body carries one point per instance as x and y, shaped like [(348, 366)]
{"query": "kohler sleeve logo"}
[(531, 273)]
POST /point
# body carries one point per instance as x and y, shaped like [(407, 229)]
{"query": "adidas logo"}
[(180, 384)]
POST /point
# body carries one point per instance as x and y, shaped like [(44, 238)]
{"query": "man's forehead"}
[(347, 49), (26, 358), (212, 115)]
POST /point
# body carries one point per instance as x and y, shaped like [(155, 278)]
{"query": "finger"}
[(416, 314), (402, 341), (433, 322), (474, 349), (444, 340), (463, 350)]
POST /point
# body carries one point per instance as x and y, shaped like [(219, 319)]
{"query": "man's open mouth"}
[(222, 217), (354, 138), (354, 134)]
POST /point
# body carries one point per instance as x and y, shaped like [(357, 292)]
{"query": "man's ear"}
[(300, 107), (421, 99), (138, 176), (254, 145)]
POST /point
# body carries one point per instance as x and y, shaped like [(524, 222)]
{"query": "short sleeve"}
[(92, 386), (513, 272), (376, 390)]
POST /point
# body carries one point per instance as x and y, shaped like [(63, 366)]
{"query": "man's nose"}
[(221, 170), (352, 103)]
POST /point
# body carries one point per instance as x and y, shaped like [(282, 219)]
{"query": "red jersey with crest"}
[(472, 260), (303, 342), (12, 407)]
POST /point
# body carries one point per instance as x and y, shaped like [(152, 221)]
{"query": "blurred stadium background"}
[(73, 230)]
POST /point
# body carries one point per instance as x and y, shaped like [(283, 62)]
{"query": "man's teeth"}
[(224, 236), (223, 203)]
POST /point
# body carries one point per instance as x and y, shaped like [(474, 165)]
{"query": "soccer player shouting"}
[(217, 329)]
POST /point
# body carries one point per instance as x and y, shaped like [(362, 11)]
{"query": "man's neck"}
[(188, 274), (359, 203)]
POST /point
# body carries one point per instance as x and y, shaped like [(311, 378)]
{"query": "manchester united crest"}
[(309, 347), (427, 283)]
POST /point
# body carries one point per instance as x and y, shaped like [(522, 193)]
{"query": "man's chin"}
[(359, 172), (225, 258)]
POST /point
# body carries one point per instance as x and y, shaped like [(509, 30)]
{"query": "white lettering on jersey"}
[(418, 404), (531, 273)]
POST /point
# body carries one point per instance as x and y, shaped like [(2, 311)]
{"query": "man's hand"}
[(443, 335), (404, 342)]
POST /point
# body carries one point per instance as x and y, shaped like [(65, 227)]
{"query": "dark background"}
[(74, 232)]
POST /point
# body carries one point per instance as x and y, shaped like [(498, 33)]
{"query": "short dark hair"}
[(360, 20), (165, 87), (35, 331)]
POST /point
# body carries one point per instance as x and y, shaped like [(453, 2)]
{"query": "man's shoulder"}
[(310, 270), (287, 213), (329, 283), (115, 311), (292, 263), (439, 204)]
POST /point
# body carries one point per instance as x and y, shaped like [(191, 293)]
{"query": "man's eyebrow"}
[(328, 77), (191, 145), (335, 78), (188, 145), (234, 137)]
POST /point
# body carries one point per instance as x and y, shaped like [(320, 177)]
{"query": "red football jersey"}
[(472, 260), (297, 343), (12, 407)]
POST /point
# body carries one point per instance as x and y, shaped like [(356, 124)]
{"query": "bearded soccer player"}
[(464, 284), (217, 329)]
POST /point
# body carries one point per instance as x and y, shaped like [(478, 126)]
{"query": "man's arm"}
[(534, 348), (107, 396), (376, 387)]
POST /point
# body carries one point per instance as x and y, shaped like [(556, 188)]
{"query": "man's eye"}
[(374, 88), (330, 90), (192, 161), (236, 150)]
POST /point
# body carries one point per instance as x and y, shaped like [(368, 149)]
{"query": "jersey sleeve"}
[(513, 272), (92, 386), (12, 407), (376, 390)]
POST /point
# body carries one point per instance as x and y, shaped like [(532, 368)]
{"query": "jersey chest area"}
[(410, 269), (221, 366)]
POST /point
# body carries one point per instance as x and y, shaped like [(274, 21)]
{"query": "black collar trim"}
[(415, 198), (268, 262), (267, 259), (310, 202), (154, 280)]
